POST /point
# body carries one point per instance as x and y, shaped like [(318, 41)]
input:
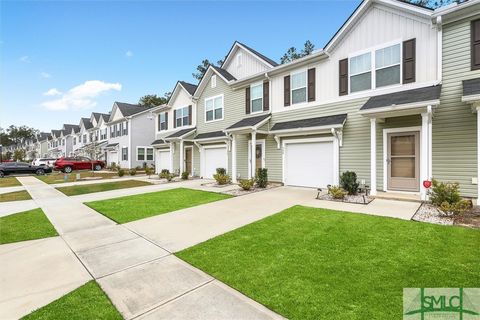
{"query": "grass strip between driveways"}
[(99, 187), (9, 182), (15, 196), (131, 208), (87, 302), (26, 225), (308, 263), (58, 177)]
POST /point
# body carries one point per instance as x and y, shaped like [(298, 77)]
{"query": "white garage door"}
[(214, 158), (162, 160), (309, 164)]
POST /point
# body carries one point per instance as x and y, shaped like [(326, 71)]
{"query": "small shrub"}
[(138, 168), (132, 171), (221, 178), (262, 177), (149, 171), (444, 192), (458, 208), (246, 184), (221, 171), (121, 172), (185, 175), (348, 182), (164, 174), (337, 192), (113, 166)]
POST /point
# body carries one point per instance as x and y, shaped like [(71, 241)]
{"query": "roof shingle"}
[(249, 122), (311, 122), (403, 97), (208, 135), (181, 133)]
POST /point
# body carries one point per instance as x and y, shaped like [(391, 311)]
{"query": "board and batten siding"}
[(244, 64), (454, 126)]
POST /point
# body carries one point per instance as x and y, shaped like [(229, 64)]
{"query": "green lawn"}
[(27, 225), (99, 187), (307, 263), (9, 182), (145, 205), (58, 177), (15, 196), (87, 302)]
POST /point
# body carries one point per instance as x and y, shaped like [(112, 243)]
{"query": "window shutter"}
[(190, 115), (409, 61), (266, 96), (343, 77), (166, 120), (286, 91), (475, 45), (311, 84), (247, 100), (174, 118)]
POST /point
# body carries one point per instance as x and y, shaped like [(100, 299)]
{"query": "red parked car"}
[(67, 165)]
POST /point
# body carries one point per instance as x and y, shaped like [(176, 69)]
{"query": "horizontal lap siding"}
[(454, 126)]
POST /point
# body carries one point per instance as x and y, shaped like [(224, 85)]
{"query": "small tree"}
[(348, 182), (292, 53), (19, 155)]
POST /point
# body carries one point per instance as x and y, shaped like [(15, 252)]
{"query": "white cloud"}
[(81, 96), (52, 92), (25, 59), (45, 75), (129, 54)]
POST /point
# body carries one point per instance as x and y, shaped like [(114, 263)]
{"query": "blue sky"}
[(61, 60)]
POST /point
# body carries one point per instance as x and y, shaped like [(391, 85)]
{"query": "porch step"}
[(398, 196)]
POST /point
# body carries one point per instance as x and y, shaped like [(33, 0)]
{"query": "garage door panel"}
[(214, 158), (309, 164), (162, 161)]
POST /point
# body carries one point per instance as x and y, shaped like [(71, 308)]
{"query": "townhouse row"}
[(393, 96)]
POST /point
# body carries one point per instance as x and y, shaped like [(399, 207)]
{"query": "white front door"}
[(162, 160), (213, 158), (113, 157), (309, 164)]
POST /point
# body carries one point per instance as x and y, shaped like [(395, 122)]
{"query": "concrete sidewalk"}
[(11, 207), (11, 189), (138, 275)]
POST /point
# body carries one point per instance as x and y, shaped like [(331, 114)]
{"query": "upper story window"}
[(213, 81), (74, 140), (182, 117), (256, 97), (84, 138), (125, 128), (214, 108), (162, 121), (118, 129), (475, 44), (384, 61), (361, 72), (298, 87)]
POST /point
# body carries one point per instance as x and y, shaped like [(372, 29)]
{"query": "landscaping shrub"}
[(113, 166), (337, 192), (121, 172), (262, 177), (169, 177), (185, 175), (133, 171), (149, 171), (444, 192), (246, 184), (164, 174), (458, 208), (348, 182), (222, 177)]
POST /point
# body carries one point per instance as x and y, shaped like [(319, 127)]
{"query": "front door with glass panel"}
[(403, 161), (259, 155), (188, 160)]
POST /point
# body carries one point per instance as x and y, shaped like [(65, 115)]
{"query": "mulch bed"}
[(241, 192)]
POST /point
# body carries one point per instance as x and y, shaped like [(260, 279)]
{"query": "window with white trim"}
[(144, 153), (256, 97), (162, 121), (182, 117), (149, 154), (360, 72), (213, 81), (140, 154), (298, 87), (125, 128), (214, 108), (387, 66), (124, 153)]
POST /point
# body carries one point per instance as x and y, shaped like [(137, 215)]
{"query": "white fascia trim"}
[(471, 98), (209, 140), (310, 130), (205, 78), (401, 107)]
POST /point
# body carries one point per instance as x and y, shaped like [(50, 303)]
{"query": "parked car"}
[(8, 168), (44, 161), (67, 165)]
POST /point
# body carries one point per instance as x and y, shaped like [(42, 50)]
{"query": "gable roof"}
[(128, 109), (188, 86), (224, 73), (262, 57), (56, 133), (210, 135), (96, 115), (87, 124), (249, 122), (68, 128)]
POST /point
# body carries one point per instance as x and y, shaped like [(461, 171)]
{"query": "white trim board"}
[(249, 157)]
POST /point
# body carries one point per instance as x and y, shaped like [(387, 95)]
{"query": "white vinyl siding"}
[(256, 98)]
